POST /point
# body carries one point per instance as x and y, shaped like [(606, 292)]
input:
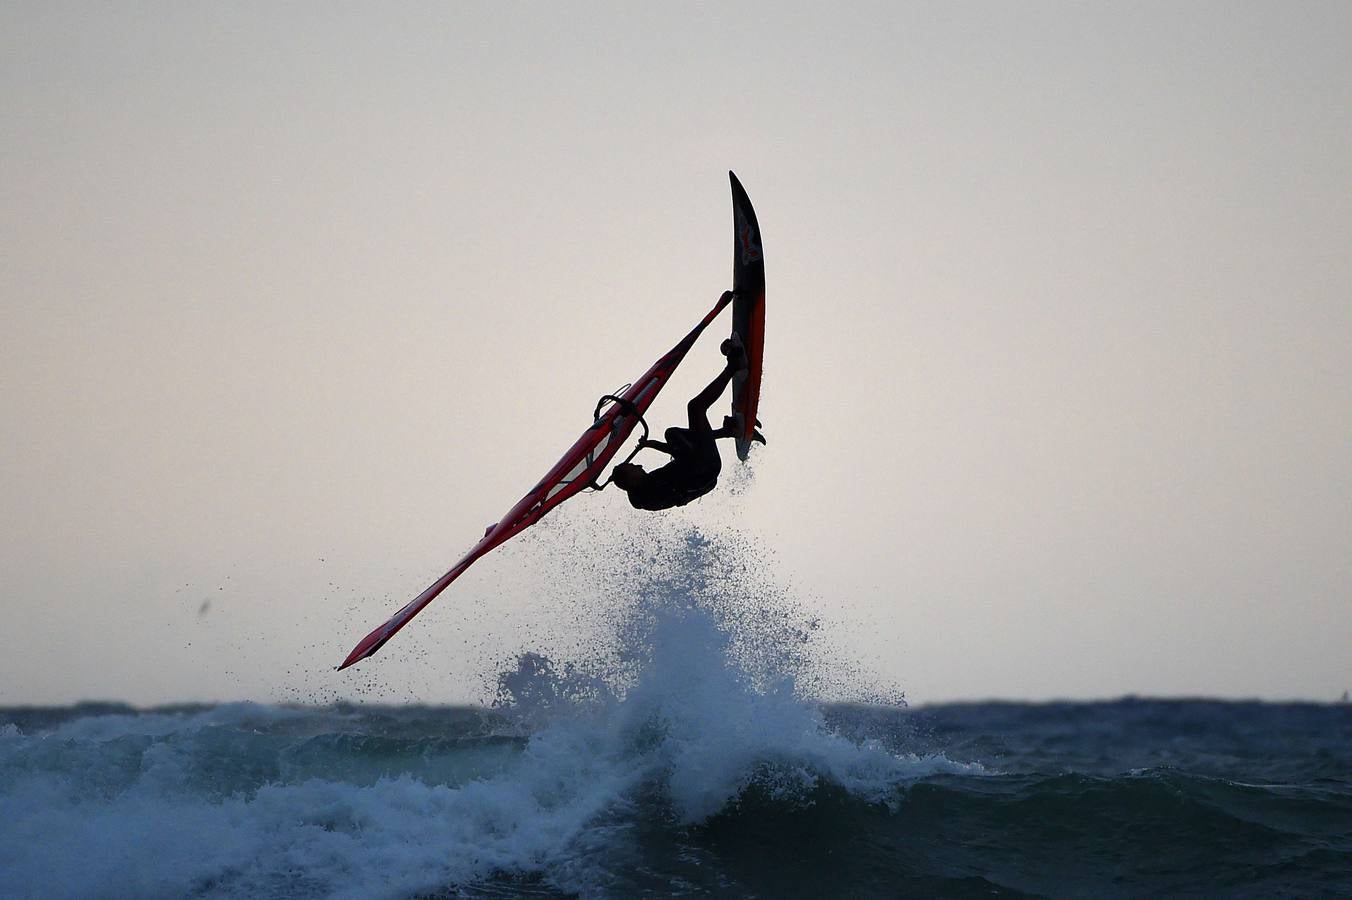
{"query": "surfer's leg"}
[(698, 407), (679, 440), (732, 428)]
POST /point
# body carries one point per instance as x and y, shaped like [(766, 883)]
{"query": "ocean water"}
[(692, 755)]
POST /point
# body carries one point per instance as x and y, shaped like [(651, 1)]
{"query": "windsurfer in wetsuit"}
[(695, 463)]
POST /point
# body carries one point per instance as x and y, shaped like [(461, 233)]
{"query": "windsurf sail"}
[(748, 313), (578, 469)]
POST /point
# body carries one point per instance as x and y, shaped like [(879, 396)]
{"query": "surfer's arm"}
[(656, 445)]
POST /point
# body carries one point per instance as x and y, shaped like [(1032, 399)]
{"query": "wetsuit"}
[(692, 472)]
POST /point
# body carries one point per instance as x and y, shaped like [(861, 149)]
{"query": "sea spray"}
[(700, 696), (596, 591)]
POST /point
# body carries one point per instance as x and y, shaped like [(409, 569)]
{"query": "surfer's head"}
[(628, 476)]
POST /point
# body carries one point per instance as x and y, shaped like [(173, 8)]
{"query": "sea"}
[(704, 750)]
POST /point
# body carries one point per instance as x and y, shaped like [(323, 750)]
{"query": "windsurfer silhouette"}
[(695, 462)]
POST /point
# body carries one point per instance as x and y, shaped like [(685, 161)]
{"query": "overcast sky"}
[(295, 299)]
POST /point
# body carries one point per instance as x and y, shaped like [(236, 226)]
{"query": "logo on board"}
[(748, 239)]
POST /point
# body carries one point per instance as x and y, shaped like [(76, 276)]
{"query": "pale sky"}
[(295, 299)]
